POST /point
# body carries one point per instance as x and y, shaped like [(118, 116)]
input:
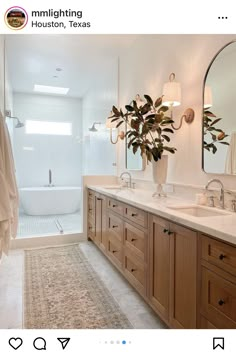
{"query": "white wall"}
[(145, 67), (99, 154), (61, 154)]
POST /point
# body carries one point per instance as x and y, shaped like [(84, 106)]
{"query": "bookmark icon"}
[(64, 341)]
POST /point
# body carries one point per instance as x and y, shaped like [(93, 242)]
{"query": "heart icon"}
[(15, 342)]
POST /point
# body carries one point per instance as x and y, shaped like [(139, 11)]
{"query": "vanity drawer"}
[(134, 239), (115, 227), (134, 270), (218, 300), (115, 206), (219, 254), (136, 215), (115, 251)]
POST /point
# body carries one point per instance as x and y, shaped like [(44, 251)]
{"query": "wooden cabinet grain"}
[(218, 283), (188, 278), (172, 272)]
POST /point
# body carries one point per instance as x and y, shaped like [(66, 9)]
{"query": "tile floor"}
[(138, 312), (45, 225)]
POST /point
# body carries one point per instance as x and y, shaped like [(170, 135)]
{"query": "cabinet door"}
[(100, 221), (159, 266), (183, 277), (91, 215), (98, 218)]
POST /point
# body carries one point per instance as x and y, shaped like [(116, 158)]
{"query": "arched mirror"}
[(219, 115)]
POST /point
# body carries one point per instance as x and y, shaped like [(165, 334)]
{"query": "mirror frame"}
[(204, 83)]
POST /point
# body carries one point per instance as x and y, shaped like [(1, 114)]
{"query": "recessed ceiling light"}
[(55, 76), (58, 69), (50, 89)]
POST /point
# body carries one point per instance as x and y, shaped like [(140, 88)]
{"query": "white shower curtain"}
[(9, 198), (230, 163)]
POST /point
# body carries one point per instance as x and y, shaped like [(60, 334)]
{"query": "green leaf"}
[(168, 130), (158, 118), (120, 123), (215, 121), (145, 109), (115, 119), (209, 113), (170, 149), (226, 143), (158, 102), (116, 111), (167, 138), (213, 137), (129, 108), (135, 148), (149, 99), (163, 108), (214, 149)]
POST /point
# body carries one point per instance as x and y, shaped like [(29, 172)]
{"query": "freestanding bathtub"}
[(50, 200)]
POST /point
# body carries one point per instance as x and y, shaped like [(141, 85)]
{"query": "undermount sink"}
[(198, 211), (113, 187)]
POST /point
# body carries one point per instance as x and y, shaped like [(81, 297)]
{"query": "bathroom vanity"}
[(182, 266)]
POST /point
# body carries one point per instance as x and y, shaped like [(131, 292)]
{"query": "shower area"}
[(48, 163), (56, 104)]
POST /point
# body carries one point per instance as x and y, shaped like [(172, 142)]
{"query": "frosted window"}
[(46, 127)]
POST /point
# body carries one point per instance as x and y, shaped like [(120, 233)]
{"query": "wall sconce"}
[(112, 125), (172, 98), (207, 97)]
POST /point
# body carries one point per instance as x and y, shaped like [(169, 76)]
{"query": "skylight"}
[(50, 89)]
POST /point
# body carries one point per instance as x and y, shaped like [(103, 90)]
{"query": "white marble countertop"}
[(220, 226)]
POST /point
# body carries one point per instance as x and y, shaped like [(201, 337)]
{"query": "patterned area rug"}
[(62, 291)]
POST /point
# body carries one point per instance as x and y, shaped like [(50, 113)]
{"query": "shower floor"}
[(30, 226)]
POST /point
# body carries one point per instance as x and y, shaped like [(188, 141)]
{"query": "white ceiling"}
[(33, 59)]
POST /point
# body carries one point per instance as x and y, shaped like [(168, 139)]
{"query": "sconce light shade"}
[(207, 97), (171, 92)]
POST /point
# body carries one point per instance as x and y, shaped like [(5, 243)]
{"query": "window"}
[(47, 127)]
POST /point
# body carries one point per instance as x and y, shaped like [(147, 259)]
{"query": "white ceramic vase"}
[(159, 172)]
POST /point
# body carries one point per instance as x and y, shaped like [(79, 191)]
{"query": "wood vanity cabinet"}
[(218, 284), (188, 278), (173, 272)]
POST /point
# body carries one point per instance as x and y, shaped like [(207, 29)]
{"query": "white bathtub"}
[(50, 200)]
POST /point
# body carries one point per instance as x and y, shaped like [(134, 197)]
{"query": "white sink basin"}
[(113, 187), (198, 211)]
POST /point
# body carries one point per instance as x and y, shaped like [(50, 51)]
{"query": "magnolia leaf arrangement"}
[(148, 127), (217, 134)]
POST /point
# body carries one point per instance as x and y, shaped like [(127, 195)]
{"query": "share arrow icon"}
[(64, 341)]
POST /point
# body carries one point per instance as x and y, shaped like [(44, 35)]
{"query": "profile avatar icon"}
[(16, 18)]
